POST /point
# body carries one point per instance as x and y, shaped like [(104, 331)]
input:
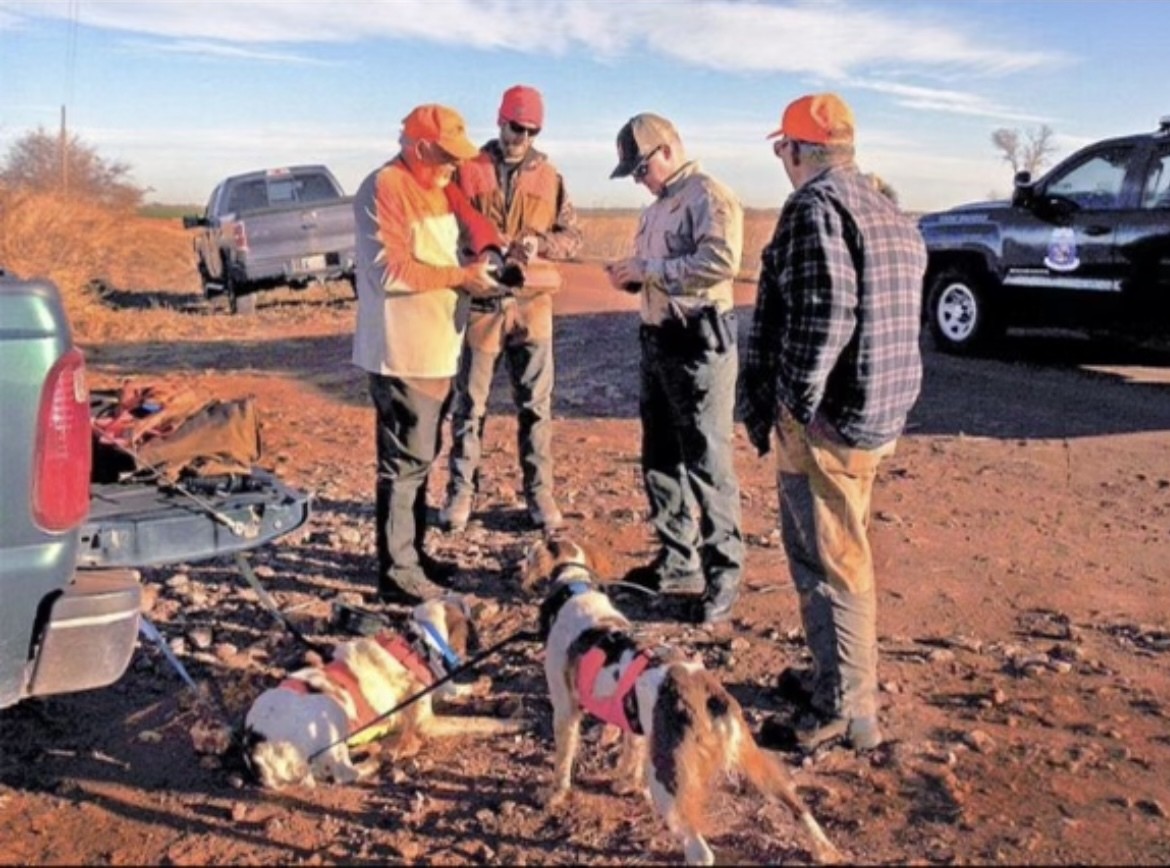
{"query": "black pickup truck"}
[(69, 548), (1085, 246)]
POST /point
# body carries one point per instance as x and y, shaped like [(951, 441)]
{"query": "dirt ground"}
[(1022, 537)]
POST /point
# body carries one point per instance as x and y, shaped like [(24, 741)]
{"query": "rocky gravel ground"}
[(1022, 534)]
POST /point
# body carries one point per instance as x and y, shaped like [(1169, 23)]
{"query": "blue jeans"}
[(687, 408), (530, 367)]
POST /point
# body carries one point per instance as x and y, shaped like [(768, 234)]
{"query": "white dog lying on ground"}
[(314, 708)]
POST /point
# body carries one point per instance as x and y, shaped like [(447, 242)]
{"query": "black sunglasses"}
[(521, 130), (640, 171)]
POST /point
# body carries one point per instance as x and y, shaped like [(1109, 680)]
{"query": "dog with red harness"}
[(680, 726), (295, 732)]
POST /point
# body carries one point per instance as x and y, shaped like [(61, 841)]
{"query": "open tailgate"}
[(142, 524)]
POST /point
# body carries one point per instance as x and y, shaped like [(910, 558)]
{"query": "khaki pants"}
[(825, 492)]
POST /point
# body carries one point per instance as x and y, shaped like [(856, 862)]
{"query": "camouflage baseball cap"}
[(641, 134)]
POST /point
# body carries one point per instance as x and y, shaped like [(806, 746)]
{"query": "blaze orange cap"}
[(523, 105), (820, 118), (441, 125)]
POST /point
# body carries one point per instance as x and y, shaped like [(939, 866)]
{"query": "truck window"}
[(1096, 182), (248, 196), (316, 188), (1156, 188)]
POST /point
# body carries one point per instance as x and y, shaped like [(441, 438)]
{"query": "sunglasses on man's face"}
[(643, 168), (521, 130)]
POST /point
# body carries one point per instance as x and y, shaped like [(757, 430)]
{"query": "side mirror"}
[(1022, 192), (191, 221)]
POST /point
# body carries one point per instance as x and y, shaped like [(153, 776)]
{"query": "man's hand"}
[(523, 250), (626, 274), (478, 281)]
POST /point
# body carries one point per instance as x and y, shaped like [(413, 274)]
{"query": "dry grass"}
[(74, 243), (78, 245)]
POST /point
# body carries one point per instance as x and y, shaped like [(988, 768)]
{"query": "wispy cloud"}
[(211, 50), (948, 101), (830, 39)]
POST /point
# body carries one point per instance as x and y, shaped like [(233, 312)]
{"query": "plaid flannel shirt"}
[(835, 331)]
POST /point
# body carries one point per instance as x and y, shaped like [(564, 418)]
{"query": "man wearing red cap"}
[(518, 189), (413, 295), (833, 366)]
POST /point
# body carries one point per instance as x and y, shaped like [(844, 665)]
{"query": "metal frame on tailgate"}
[(149, 525)]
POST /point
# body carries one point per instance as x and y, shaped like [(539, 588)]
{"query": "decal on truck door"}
[(1062, 250)]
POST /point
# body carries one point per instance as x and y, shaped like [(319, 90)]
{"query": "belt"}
[(728, 318)]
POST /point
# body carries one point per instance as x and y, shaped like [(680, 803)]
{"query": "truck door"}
[(206, 243), (1066, 241), (1143, 242)]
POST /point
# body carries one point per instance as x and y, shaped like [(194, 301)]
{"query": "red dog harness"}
[(338, 672), (613, 708)]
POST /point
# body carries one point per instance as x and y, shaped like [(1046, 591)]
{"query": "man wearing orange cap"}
[(833, 366), (518, 189), (413, 295), (686, 256)]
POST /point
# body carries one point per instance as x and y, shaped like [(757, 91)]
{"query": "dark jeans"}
[(530, 367), (408, 437), (687, 407)]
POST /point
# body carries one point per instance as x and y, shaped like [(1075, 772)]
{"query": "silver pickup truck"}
[(274, 227)]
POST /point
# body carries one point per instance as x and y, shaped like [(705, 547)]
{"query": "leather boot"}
[(719, 598)]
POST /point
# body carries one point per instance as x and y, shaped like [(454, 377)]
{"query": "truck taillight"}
[(63, 454), (240, 236)]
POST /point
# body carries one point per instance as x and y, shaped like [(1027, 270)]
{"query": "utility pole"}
[(64, 156)]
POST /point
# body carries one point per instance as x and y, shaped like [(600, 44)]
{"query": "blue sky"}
[(188, 92)]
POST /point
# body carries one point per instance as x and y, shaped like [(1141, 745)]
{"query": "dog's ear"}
[(461, 633), (538, 564), (597, 561)]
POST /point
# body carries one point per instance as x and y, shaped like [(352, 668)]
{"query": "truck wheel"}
[(961, 318), (237, 303)]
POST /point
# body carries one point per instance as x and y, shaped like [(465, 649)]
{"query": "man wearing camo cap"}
[(686, 256)]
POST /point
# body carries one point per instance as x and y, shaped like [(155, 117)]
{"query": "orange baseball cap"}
[(820, 118), (441, 125), (523, 105)]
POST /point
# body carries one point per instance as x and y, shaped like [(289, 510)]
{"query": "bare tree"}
[(1026, 152), (34, 162)]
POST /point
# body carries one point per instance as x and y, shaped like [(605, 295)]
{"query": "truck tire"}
[(961, 318), (238, 302)]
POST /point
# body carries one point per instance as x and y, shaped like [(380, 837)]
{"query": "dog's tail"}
[(724, 743), (767, 775)]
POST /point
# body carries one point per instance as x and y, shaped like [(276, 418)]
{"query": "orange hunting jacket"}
[(537, 204), (411, 317)]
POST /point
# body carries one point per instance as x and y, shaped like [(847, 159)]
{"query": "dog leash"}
[(518, 636), (246, 571)]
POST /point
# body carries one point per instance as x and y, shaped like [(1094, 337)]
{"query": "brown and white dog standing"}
[(314, 708), (693, 728)]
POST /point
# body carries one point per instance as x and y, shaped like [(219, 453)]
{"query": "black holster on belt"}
[(701, 330)]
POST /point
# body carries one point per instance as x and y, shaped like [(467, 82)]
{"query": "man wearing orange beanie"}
[(833, 367), (518, 189)]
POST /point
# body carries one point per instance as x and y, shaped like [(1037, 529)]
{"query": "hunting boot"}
[(456, 512), (544, 513), (719, 598)]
